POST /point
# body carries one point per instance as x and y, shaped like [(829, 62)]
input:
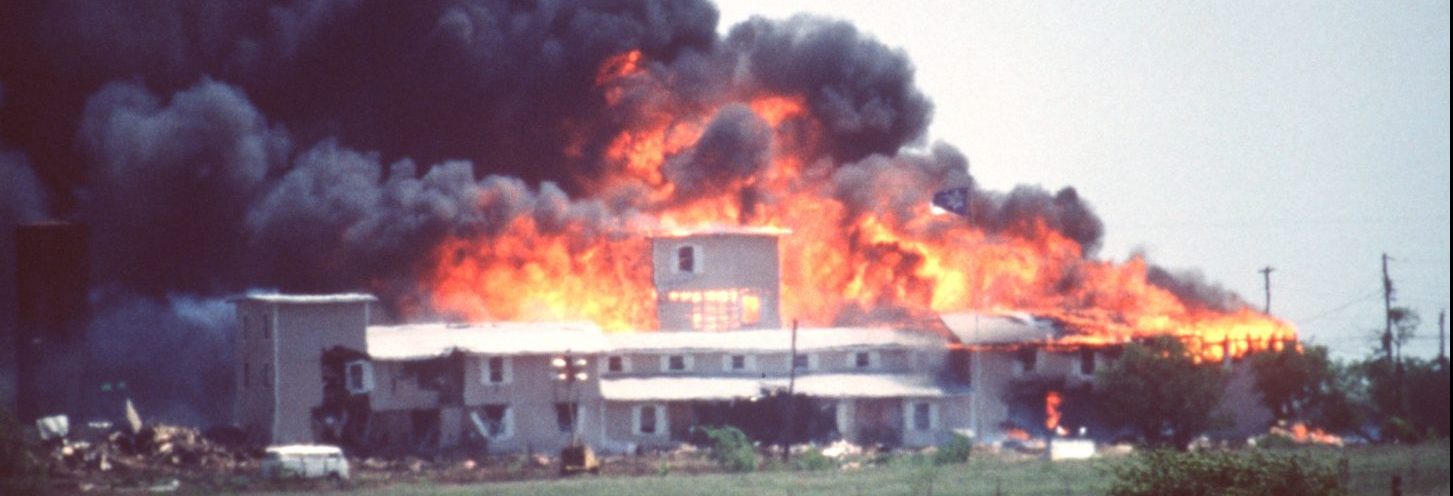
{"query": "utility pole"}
[(791, 391), (1442, 339), (1387, 311), (1266, 274)]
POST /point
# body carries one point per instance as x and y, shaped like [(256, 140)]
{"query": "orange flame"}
[(1052, 414), (839, 262)]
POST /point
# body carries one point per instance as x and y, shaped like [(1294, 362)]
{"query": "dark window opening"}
[(615, 364), (648, 419), (686, 259), (1087, 362), (800, 362), (494, 419), (1028, 358), (496, 370), (739, 362), (863, 360), (676, 362), (922, 416)]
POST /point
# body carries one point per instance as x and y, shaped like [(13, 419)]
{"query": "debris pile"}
[(154, 448)]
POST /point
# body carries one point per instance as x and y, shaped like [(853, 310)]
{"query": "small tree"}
[(1293, 383), (1160, 390)]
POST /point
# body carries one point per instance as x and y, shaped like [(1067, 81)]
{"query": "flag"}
[(954, 200)]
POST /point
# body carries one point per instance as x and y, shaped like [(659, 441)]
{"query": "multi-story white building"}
[(314, 369)]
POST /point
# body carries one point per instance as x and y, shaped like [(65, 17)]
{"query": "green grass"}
[(1425, 470)]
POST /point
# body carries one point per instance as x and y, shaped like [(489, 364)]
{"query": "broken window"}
[(1087, 362), (686, 260), (565, 415), (359, 377), (922, 416), (862, 359), (615, 364), (496, 370), (495, 419)]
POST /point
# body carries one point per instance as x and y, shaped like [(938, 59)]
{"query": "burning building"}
[(315, 368)]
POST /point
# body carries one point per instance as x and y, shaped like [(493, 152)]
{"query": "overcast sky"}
[(1218, 136)]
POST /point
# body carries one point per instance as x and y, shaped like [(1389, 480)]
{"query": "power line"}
[(1364, 297)]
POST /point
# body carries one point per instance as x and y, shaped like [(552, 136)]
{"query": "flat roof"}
[(1000, 328), (698, 388), (774, 340), (305, 298), (421, 341)]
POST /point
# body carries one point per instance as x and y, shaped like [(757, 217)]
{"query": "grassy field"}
[(1425, 470)]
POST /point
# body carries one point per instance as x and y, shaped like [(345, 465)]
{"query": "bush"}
[(731, 448), (813, 459), (1159, 473), (957, 450)]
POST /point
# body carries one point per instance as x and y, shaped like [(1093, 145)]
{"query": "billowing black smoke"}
[(321, 145)]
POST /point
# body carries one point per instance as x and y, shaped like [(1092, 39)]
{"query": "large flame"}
[(839, 264)]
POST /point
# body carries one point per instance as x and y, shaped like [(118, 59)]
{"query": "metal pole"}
[(791, 390), (1266, 274)]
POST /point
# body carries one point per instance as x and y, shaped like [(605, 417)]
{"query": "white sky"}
[(1220, 136)]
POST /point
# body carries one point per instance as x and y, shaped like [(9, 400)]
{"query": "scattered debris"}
[(53, 427)]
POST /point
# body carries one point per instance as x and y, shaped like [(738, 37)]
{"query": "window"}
[(688, 259), (803, 361), (496, 370), (738, 363), (1028, 358), (566, 415), (922, 416), (492, 420), (751, 308), (358, 377), (649, 420), (862, 360), (720, 309), (615, 364), (676, 363), (1087, 362)]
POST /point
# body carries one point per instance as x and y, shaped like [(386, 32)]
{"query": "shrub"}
[(957, 450), (731, 448), (813, 459), (1159, 473)]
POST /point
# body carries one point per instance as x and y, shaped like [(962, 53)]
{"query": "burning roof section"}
[(422, 341), (775, 340)]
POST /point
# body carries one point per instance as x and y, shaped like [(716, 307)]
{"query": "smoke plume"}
[(329, 145)]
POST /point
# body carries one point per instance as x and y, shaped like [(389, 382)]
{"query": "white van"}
[(304, 461)]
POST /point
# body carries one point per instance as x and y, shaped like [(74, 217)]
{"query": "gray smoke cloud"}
[(327, 145), (736, 145)]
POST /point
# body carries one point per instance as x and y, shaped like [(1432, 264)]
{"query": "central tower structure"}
[(717, 279)]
